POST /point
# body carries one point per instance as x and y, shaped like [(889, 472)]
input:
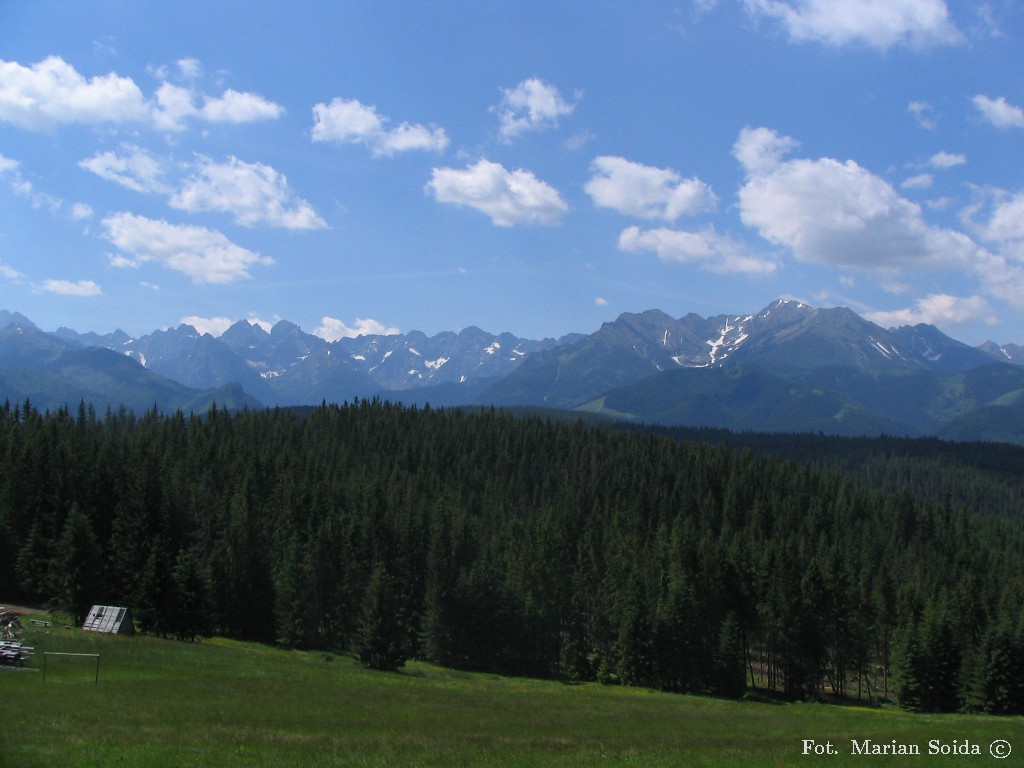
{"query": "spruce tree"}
[(635, 636), (679, 662), (189, 606), (941, 691), (77, 570), (728, 671), (33, 564), (1004, 672), (153, 607), (911, 666), (381, 641), (290, 601)]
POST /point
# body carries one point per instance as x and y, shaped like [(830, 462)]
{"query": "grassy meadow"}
[(169, 704)]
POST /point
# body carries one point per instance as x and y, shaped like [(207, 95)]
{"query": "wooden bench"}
[(40, 623)]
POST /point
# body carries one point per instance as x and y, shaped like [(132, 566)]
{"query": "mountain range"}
[(790, 367), (50, 371)]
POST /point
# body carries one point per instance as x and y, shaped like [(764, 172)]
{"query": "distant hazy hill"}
[(286, 366), (789, 367), (52, 372)]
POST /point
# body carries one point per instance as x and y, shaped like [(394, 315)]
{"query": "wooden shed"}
[(109, 619)]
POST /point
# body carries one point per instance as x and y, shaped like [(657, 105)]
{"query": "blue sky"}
[(533, 167)]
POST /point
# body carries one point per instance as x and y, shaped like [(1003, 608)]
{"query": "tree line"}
[(515, 544)]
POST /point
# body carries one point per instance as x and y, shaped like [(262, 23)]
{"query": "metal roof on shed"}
[(110, 619)]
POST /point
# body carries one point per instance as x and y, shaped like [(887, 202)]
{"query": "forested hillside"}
[(980, 476), (518, 545)]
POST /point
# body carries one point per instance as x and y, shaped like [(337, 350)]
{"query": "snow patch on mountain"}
[(730, 338), (889, 352)]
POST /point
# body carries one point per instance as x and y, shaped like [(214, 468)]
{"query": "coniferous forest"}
[(520, 545)]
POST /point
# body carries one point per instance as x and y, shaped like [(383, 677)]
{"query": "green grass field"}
[(165, 704)]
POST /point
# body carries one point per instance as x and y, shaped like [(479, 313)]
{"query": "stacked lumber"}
[(13, 653)]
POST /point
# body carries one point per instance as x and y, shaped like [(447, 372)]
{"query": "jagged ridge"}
[(853, 375)]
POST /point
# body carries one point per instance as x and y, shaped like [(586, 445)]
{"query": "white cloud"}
[(875, 23), (1003, 278), (214, 326), (235, 107), (986, 24), (579, 140), (82, 288), (186, 69), (350, 121), (174, 104), (828, 212), (508, 197), (22, 187), (10, 273), (533, 105), (81, 211), (646, 192), (190, 69), (205, 255), (920, 181), (707, 249), (7, 165), (997, 218), (1004, 226), (408, 137), (940, 309), (346, 120), (1007, 221), (940, 203), (252, 192), (999, 112), (945, 159), (761, 149), (601, 301), (924, 113), (52, 93), (332, 329), (133, 167), (266, 325)]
